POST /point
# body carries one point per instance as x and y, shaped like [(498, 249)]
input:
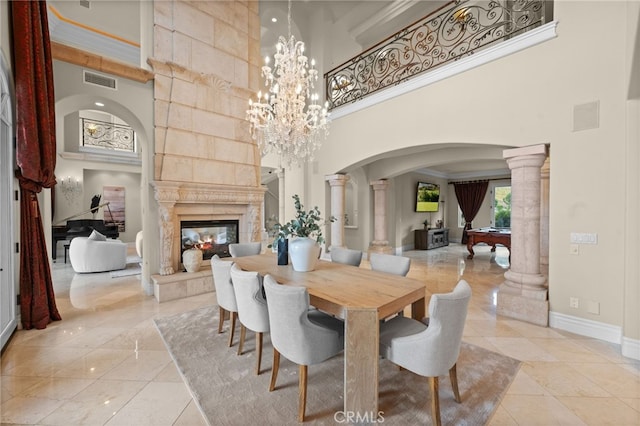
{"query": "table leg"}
[(418, 310), (470, 248), (361, 363)]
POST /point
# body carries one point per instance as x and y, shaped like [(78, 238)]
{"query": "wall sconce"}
[(92, 129), (70, 188), (460, 16)]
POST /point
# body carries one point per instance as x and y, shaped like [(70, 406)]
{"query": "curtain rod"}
[(479, 180)]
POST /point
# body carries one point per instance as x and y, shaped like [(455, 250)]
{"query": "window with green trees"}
[(502, 206)]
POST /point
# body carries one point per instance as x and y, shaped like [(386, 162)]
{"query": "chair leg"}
[(232, 327), (259, 352), (222, 312), (435, 401), (243, 334), (302, 391), (453, 375), (274, 369)]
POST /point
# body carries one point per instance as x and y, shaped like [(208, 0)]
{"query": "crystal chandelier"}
[(287, 120)]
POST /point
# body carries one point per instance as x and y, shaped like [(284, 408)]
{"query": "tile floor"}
[(105, 364)]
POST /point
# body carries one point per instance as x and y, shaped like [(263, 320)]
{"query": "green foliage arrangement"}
[(306, 224)]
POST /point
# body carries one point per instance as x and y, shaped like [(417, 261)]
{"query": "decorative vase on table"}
[(304, 253), (283, 251), (192, 259)]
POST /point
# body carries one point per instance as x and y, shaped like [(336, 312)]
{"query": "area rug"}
[(131, 269), (227, 391)]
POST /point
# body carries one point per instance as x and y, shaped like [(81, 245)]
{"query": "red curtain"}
[(470, 196), (35, 155)]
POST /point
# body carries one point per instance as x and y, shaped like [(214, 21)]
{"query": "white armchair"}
[(430, 351), (346, 256), (397, 265), (96, 253)]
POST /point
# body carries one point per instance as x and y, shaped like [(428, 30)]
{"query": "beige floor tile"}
[(524, 384), (57, 388), (191, 416), (535, 410), (169, 374), (96, 404), (615, 379), (174, 396), (502, 418), (521, 348), (140, 365), (95, 364), (14, 385), (27, 410), (602, 411), (561, 380)]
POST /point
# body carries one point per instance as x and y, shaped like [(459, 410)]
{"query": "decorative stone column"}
[(524, 294), (544, 214), (337, 183), (166, 215), (380, 244)]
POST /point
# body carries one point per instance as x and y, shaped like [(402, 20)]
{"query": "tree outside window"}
[(502, 206)]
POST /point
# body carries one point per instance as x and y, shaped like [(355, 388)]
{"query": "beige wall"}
[(525, 99)]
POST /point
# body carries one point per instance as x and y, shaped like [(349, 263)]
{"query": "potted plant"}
[(304, 235), (426, 223)]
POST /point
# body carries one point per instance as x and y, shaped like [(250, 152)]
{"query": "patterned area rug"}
[(227, 390)]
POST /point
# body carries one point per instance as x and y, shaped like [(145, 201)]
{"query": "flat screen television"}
[(427, 197)]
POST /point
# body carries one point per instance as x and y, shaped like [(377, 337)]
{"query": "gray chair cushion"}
[(293, 334), (252, 306), (244, 249), (346, 256), (428, 351), (397, 265)]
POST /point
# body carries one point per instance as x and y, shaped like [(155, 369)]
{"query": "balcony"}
[(459, 36)]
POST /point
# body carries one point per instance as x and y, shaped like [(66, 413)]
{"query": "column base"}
[(533, 308), (380, 247)]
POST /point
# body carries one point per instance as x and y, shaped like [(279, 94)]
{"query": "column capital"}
[(337, 179), (527, 156), (379, 184)]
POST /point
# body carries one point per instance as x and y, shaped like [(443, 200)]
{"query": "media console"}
[(426, 239)]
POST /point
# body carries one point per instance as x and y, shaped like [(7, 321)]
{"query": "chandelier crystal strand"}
[(288, 119)]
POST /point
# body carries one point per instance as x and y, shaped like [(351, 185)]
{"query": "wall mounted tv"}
[(427, 197)]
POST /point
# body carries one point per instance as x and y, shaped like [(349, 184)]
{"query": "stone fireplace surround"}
[(179, 201)]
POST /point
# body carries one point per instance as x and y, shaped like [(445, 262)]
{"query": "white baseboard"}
[(629, 348), (585, 327)]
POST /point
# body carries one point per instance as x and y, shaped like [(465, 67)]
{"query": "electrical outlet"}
[(593, 307), (574, 303)]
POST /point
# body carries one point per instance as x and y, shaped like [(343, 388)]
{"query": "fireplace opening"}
[(211, 236)]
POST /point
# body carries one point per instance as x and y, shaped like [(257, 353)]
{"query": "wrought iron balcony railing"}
[(100, 134), (456, 30)]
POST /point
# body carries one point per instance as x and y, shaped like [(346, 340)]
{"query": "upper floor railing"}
[(456, 30)]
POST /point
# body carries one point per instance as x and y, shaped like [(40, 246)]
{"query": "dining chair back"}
[(397, 265), (244, 249), (346, 256), (303, 336), (225, 295), (252, 307), (430, 351)]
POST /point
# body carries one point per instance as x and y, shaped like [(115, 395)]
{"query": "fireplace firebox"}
[(211, 236)]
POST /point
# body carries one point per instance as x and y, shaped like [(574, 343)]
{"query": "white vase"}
[(192, 259), (304, 253)]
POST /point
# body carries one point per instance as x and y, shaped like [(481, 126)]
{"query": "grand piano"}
[(81, 228)]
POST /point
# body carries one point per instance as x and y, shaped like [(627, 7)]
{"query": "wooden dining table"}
[(359, 296)]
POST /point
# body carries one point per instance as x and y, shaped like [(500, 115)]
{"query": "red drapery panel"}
[(35, 155), (470, 196)]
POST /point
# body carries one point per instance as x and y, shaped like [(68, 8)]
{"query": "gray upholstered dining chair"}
[(397, 265), (244, 249), (252, 308), (430, 351), (346, 256), (225, 295), (303, 336)]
